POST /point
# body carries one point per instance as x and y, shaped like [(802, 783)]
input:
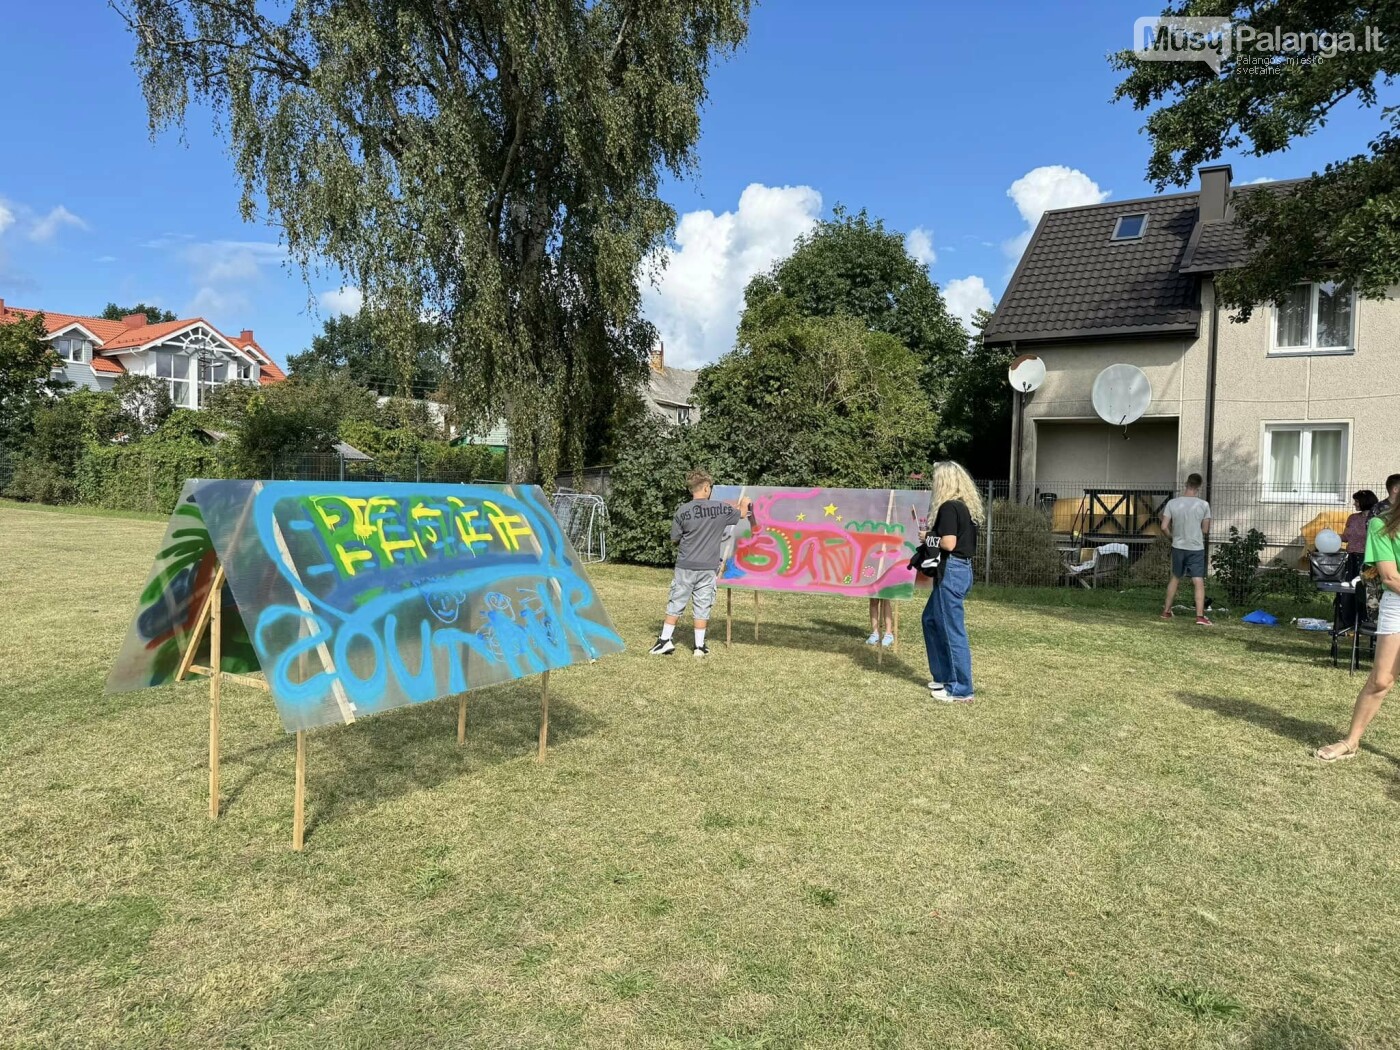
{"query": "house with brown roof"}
[(191, 356), (1294, 406), (667, 392)]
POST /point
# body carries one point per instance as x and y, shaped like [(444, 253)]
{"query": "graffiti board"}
[(853, 542), (354, 598)]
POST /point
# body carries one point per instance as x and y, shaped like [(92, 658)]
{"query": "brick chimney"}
[(1215, 192), (245, 336), (134, 320), (2, 306), (658, 356)]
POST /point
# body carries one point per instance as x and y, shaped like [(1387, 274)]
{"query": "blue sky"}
[(926, 114)]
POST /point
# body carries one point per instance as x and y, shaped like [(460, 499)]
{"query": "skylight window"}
[(1130, 227)]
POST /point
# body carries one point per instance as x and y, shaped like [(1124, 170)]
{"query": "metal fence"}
[(1089, 533)]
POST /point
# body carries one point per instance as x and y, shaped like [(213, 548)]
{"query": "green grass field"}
[(1123, 843)]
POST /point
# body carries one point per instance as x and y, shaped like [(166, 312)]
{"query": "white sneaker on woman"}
[(874, 638)]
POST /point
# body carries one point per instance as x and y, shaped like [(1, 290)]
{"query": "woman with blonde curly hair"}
[(955, 513)]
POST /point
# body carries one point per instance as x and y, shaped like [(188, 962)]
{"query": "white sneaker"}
[(888, 641), (874, 638), (934, 685), (702, 651), (663, 647)]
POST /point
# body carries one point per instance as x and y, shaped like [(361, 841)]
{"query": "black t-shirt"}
[(953, 519)]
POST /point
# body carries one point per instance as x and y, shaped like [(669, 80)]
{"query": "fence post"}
[(341, 457), (417, 468), (989, 533)]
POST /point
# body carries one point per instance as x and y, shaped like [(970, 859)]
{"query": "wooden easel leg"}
[(462, 720), (755, 616), (299, 800), (544, 716), (216, 683), (728, 616), (894, 609)]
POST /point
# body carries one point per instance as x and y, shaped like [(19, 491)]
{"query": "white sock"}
[(667, 629), (699, 637)]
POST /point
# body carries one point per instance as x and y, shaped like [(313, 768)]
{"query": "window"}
[(1130, 227), (245, 371), (1314, 318), (175, 370), (1305, 461), (70, 349), (683, 414)]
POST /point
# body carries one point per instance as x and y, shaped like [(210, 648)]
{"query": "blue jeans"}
[(945, 629)]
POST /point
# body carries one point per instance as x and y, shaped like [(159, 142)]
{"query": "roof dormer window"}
[(1130, 227)]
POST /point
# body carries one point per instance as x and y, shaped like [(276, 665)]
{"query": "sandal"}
[(1335, 752)]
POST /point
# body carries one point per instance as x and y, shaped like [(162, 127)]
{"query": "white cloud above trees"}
[(696, 301)]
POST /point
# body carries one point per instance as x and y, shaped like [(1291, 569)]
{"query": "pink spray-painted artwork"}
[(853, 542)]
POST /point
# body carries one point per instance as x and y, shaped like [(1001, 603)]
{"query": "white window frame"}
[(64, 347), (1307, 493), (245, 372), (1142, 230), (170, 381), (1314, 287)]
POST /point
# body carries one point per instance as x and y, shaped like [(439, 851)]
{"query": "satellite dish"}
[(1026, 373), (1121, 394)]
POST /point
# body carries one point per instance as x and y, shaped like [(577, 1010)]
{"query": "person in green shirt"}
[(1382, 551)]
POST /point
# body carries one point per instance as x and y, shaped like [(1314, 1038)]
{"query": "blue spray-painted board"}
[(354, 598)]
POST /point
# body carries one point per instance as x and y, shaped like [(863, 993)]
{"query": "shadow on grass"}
[(1310, 734), (1286, 1032), (1300, 648), (846, 638), (406, 750)]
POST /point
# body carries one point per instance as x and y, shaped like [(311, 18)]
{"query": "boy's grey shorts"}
[(692, 585)]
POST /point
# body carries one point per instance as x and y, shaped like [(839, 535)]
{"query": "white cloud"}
[(47, 228), (697, 298), (918, 242), (224, 271), (343, 300), (105, 259), (965, 296), (7, 217), (1261, 178), (1043, 189)]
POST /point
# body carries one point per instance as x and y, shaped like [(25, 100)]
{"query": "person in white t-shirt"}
[(1186, 520)]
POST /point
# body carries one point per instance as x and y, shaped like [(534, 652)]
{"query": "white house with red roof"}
[(191, 356)]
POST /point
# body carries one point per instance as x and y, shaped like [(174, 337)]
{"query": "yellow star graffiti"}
[(830, 510), (802, 517)]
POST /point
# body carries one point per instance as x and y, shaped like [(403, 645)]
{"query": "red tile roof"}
[(119, 335)]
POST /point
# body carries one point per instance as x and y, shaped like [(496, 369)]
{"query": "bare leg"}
[(671, 621), (1171, 594), (887, 616), (1200, 586), (874, 615), (700, 625), (1368, 701)]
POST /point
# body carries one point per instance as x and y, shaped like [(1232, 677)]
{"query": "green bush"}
[(1285, 581), (144, 475), (648, 484), (1236, 564), (35, 480), (1023, 547), (1154, 566)]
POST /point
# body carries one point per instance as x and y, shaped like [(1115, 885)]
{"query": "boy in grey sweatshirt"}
[(699, 527)]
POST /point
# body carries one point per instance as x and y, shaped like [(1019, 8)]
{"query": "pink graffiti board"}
[(852, 542)]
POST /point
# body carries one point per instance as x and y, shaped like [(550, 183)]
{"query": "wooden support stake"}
[(216, 682), (299, 800), (544, 715), (462, 720), (894, 609), (755, 616), (728, 616)]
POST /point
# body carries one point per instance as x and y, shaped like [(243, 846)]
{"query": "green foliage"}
[(814, 400), (1236, 564), (1154, 567), (1285, 581), (145, 475), (497, 169), (62, 430), (154, 314), (28, 379), (1023, 547), (364, 345), (648, 484), (1342, 224), (279, 424), (851, 265), (145, 402), (975, 424)]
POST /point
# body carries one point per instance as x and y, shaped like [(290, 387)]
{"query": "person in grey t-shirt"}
[(1186, 520), (699, 527)]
